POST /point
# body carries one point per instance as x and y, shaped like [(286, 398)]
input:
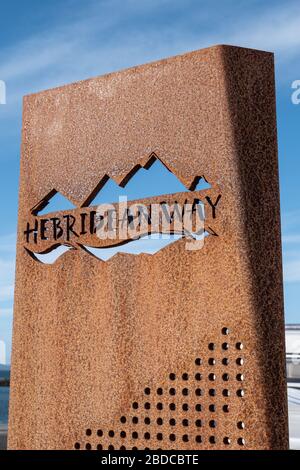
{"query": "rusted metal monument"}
[(181, 349)]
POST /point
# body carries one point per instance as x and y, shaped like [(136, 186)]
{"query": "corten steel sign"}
[(182, 348)]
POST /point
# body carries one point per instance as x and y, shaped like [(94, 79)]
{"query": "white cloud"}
[(290, 222), (108, 37), (291, 239), (6, 292), (2, 352), (276, 29), (6, 312), (7, 267), (291, 246), (7, 244), (291, 270)]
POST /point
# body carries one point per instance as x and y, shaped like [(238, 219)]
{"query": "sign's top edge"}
[(217, 47)]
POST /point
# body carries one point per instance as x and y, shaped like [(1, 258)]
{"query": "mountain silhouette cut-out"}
[(50, 256), (152, 179), (53, 202), (147, 244)]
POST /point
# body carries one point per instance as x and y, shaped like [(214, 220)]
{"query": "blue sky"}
[(46, 44)]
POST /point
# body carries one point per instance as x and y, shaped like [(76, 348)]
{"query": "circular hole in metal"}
[(185, 406), (185, 438), (185, 422), (226, 392), (212, 408), (185, 376), (240, 392), (198, 423), (77, 445), (226, 440), (212, 439), (198, 376), (88, 446), (135, 420), (225, 377), (99, 447), (172, 437), (111, 433), (212, 392), (241, 441), (159, 421), (147, 420), (226, 408), (212, 376), (135, 405), (225, 361), (198, 439), (198, 407), (159, 391), (123, 434), (159, 436), (172, 376), (159, 406), (211, 346), (100, 432), (172, 406), (239, 346), (241, 425), (185, 391), (88, 432), (147, 406), (212, 423), (225, 346), (211, 361), (198, 392), (147, 391), (225, 331), (147, 436), (172, 391), (134, 435), (198, 361), (240, 377), (240, 361), (172, 422)]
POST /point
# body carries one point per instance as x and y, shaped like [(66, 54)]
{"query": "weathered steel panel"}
[(179, 349)]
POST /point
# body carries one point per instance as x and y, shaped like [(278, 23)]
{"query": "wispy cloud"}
[(6, 292), (116, 34), (8, 244), (289, 239), (6, 312), (291, 246), (277, 29), (7, 267), (291, 269)]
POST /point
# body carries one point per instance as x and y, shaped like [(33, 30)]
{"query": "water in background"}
[(4, 396)]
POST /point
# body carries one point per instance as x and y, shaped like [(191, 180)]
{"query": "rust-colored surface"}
[(95, 342)]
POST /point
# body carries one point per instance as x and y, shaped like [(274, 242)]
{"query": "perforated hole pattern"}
[(163, 407)]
